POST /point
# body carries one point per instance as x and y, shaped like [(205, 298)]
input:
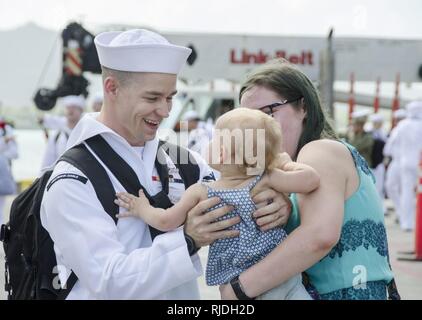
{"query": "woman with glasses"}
[(337, 233)]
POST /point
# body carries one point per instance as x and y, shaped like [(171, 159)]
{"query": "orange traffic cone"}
[(418, 226), (417, 254)]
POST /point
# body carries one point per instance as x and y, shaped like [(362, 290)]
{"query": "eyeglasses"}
[(269, 108)]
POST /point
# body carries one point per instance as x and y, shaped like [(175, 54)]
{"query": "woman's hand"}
[(203, 228), (226, 292), (273, 207)]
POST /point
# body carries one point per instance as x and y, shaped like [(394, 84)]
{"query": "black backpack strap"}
[(80, 157), (116, 164), (127, 176), (189, 172), (184, 161), (129, 180), (162, 169)]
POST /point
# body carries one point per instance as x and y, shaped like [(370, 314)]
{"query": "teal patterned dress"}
[(357, 267)]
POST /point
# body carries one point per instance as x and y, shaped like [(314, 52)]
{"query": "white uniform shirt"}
[(117, 261), (380, 134), (198, 140), (54, 122), (8, 149), (390, 148), (56, 146), (408, 142)]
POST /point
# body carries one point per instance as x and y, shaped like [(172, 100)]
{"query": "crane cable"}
[(42, 76)]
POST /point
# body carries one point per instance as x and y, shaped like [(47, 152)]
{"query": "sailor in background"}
[(56, 145), (408, 148), (392, 157), (97, 102), (198, 138), (360, 138), (8, 145), (377, 156), (50, 121), (8, 152), (377, 126)]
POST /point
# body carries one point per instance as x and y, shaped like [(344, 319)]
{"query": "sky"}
[(370, 18), (357, 18)]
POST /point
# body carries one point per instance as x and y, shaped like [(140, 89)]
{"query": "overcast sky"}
[(370, 18)]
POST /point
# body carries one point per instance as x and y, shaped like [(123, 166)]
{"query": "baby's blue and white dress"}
[(228, 258)]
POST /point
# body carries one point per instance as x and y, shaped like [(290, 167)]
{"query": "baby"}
[(241, 130)]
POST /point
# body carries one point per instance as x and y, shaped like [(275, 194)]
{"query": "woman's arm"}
[(161, 219), (321, 213)]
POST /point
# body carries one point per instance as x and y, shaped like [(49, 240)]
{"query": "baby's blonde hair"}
[(244, 119)]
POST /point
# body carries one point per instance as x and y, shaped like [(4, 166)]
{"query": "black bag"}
[(377, 155), (30, 261)]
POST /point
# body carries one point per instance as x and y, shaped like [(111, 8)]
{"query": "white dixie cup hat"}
[(140, 50)]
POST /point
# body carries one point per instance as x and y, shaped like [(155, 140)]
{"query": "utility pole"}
[(327, 64)]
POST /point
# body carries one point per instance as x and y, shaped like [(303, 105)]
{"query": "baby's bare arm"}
[(163, 220), (294, 177)]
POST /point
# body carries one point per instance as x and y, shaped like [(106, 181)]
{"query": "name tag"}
[(173, 179)]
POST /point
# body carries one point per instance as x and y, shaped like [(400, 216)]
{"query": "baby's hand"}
[(284, 159), (281, 161), (132, 203)]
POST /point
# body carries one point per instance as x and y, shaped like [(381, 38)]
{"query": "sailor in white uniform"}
[(198, 138), (56, 145), (53, 122), (377, 130), (392, 176), (121, 261), (97, 102), (9, 152), (378, 167), (409, 148)]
